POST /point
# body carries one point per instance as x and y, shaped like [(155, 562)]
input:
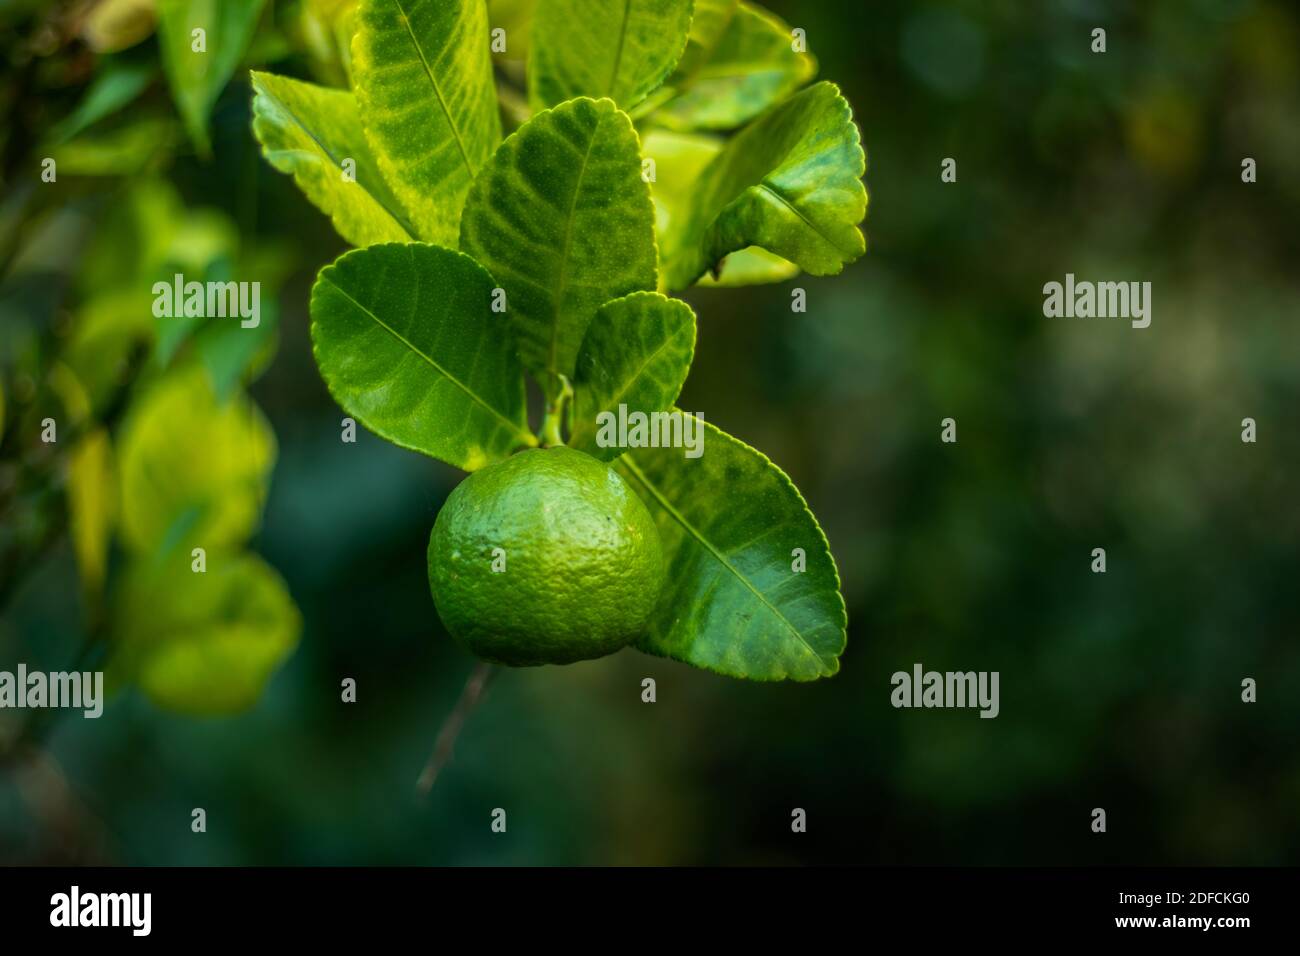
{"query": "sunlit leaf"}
[(202, 643), (563, 220), (789, 182), (636, 354), (423, 76), (622, 49), (408, 344), (740, 60), (735, 601), (679, 159), (315, 135), (193, 472)]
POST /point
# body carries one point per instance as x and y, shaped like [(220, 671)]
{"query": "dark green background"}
[(1119, 690)]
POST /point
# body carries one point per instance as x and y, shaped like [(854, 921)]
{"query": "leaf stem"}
[(551, 434), (443, 747)]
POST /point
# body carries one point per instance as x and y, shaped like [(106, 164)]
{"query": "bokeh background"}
[(1119, 690)]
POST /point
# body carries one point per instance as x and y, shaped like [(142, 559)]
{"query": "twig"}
[(451, 727)]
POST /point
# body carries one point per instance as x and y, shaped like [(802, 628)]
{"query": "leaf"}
[(621, 49), (680, 158), (193, 472), (139, 146), (733, 603), (197, 77), (562, 218), (423, 76), (312, 133), (515, 17), (740, 60), (408, 345), (636, 353), (113, 25), (789, 182), (117, 84), (92, 507), (203, 643)]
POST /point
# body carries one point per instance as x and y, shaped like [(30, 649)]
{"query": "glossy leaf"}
[(733, 602), (679, 159), (92, 507), (740, 60), (314, 134), (636, 353), (202, 644), (622, 49), (197, 76), (423, 76), (562, 218), (194, 472), (408, 344), (789, 182)]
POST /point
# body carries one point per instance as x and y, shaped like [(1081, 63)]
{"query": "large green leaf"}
[(733, 602), (311, 133), (679, 159), (193, 471), (789, 182), (563, 219), (636, 353), (408, 344), (202, 643), (423, 75), (197, 77), (740, 60), (622, 49)]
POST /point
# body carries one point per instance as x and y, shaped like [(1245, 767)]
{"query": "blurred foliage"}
[(1119, 690)]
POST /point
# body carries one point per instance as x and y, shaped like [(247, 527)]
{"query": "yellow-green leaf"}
[(92, 507), (193, 472), (622, 49), (315, 135), (740, 60), (789, 182), (202, 643), (423, 76), (562, 218), (679, 159)]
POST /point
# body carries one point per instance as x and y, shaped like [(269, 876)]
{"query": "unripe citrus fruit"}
[(547, 557)]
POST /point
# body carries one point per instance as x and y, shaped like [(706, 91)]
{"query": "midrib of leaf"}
[(618, 52), (722, 559), (337, 165), (563, 279), (437, 91), (641, 368), (775, 194), (474, 396)]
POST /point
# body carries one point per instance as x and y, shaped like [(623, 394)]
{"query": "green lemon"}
[(545, 558)]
